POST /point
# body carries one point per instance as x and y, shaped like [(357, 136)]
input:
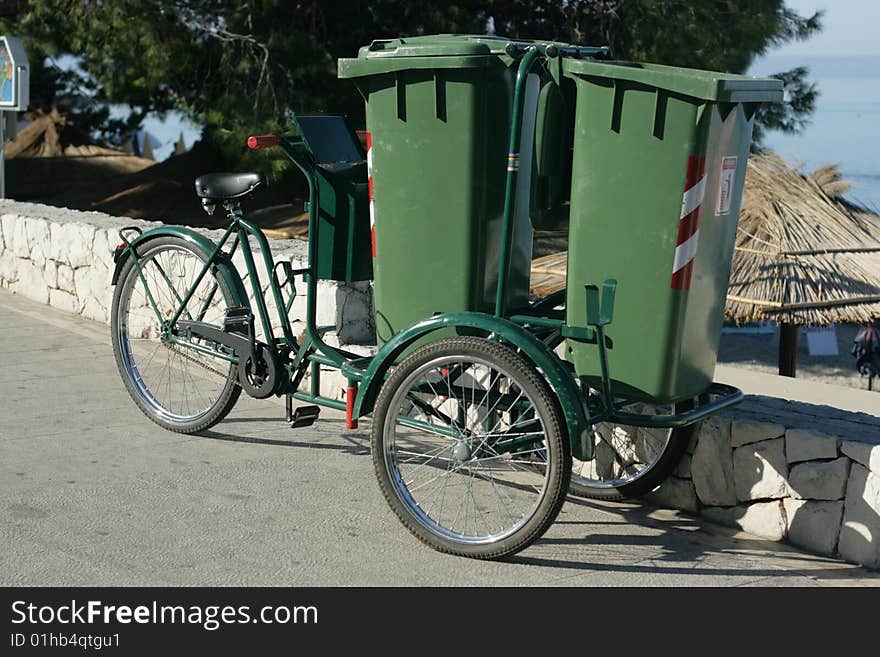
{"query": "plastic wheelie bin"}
[(659, 163), (438, 112)]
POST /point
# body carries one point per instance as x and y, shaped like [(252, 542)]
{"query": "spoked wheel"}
[(176, 386), (630, 461), (468, 448)]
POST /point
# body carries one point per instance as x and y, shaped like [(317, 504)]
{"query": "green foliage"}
[(241, 67)]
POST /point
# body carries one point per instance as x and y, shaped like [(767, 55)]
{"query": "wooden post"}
[(788, 342)]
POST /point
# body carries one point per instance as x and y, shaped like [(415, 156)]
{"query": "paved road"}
[(92, 493)]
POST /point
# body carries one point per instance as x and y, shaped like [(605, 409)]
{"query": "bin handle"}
[(552, 50)]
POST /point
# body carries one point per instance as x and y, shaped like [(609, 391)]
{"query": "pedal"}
[(304, 416)]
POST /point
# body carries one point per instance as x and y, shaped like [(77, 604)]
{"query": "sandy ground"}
[(760, 353)]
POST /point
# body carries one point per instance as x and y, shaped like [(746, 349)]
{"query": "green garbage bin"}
[(659, 163), (438, 112)]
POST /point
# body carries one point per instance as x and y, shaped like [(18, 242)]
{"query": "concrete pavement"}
[(93, 493)]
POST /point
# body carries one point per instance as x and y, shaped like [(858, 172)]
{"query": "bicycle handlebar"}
[(263, 141)]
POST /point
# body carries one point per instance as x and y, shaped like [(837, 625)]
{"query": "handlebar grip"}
[(263, 141)]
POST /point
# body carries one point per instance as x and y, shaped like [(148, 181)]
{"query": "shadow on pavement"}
[(681, 539)]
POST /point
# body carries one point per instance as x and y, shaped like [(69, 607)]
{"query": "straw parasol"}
[(803, 256)]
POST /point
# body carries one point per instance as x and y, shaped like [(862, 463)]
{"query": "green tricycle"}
[(483, 418)]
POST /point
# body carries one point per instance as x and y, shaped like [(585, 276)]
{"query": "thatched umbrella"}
[(803, 254)]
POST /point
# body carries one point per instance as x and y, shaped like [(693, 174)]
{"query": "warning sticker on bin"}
[(726, 182)]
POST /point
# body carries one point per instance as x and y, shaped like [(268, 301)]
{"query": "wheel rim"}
[(178, 384), (623, 453), (451, 474)]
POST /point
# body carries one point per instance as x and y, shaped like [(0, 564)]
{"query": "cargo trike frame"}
[(526, 339)]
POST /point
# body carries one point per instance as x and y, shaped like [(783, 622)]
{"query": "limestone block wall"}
[(787, 471), (806, 474), (65, 258)]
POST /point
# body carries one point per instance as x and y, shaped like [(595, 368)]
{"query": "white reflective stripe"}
[(370, 182), (693, 198), (685, 252)]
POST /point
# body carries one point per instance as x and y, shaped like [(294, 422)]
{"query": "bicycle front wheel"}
[(177, 386)]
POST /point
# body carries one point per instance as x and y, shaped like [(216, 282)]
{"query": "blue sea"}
[(845, 127)]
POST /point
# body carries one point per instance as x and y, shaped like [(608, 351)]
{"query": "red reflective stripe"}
[(350, 421), (681, 280), (690, 223), (369, 143)]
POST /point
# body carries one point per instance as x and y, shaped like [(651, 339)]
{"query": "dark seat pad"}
[(227, 186)]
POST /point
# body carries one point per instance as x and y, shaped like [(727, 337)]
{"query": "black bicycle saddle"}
[(228, 186)]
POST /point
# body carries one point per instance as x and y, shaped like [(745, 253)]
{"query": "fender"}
[(223, 266), (561, 382)]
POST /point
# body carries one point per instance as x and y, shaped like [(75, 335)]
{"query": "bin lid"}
[(436, 44), (429, 51), (705, 85)]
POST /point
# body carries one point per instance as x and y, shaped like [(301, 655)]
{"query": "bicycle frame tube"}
[(525, 67), (313, 335), (242, 230), (208, 263)]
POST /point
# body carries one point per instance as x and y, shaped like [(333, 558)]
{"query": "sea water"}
[(844, 129)]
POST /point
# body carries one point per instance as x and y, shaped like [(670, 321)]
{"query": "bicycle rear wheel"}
[(468, 448), (630, 461), (176, 386)]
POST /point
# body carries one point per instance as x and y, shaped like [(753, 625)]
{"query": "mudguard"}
[(222, 265), (561, 381)]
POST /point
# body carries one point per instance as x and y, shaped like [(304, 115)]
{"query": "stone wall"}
[(65, 258), (806, 474), (787, 471)]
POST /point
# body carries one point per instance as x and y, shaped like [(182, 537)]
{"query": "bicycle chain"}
[(174, 348)]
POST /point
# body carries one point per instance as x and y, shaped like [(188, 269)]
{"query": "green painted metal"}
[(206, 246), (318, 399), (727, 396), (439, 112), (551, 177), (254, 279), (693, 83), (637, 129), (295, 149), (561, 382), (344, 224), (149, 292), (428, 427), (339, 168), (507, 223)]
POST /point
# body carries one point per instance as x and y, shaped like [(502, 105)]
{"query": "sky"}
[(850, 28)]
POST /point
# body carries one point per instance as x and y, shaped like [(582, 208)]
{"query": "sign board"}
[(822, 340), (14, 75)]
